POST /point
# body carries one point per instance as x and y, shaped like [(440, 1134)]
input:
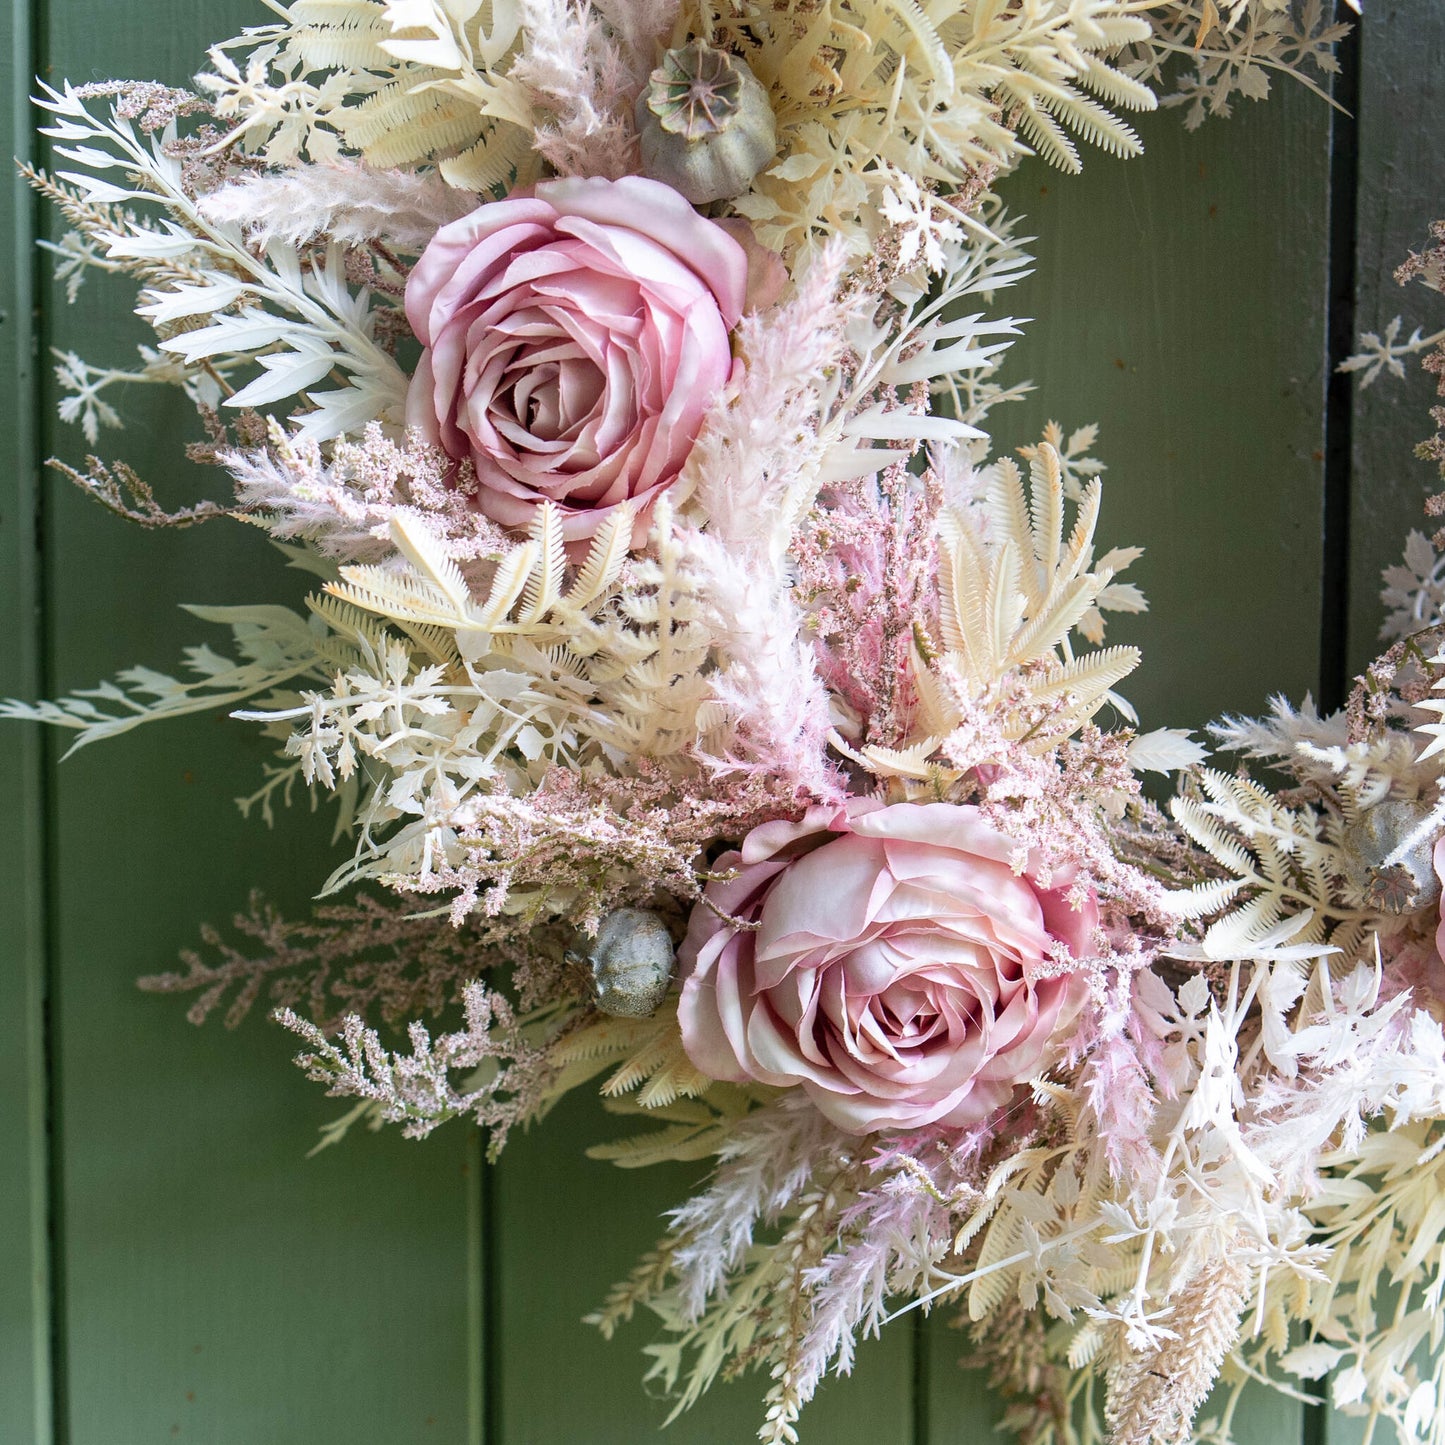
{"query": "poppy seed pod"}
[(631, 963), (705, 124), (1393, 885)]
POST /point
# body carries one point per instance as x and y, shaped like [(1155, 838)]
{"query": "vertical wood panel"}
[(566, 1229), (217, 1285), (1179, 300), (24, 1262), (1402, 189), (1401, 134)]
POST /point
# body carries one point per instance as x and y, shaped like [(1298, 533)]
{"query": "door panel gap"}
[(1335, 669)]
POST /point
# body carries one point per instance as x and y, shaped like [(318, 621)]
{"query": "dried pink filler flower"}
[(575, 339), (900, 971)]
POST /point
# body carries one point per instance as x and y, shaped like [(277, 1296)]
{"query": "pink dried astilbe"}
[(580, 846), (345, 504), (1057, 803), (420, 1090), (375, 958), (892, 1240), (151, 105), (1428, 267), (866, 575)]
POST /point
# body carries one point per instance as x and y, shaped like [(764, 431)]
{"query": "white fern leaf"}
[(544, 585)]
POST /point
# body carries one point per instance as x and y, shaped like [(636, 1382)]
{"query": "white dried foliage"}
[(1166, 750), (292, 325), (452, 696), (273, 648), (85, 385), (1414, 588), (1278, 1164), (1212, 52), (1387, 354), (1282, 868), (1221, 1225), (395, 82), (867, 90), (1016, 582)]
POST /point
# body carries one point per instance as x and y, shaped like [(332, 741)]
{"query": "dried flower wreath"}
[(721, 717)]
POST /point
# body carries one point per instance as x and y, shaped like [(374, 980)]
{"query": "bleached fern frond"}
[(395, 82), (273, 647), (1357, 772), (682, 1132), (1283, 871), (441, 704), (648, 655), (645, 1056), (867, 88), (636, 649), (526, 596)]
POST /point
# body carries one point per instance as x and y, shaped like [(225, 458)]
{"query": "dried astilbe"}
[(375, 957)]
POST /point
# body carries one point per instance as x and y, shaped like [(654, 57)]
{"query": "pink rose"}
[(574, 338), (894, 973), (1438, 857)]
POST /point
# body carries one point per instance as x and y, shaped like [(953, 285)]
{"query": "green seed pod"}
[(705, 124)]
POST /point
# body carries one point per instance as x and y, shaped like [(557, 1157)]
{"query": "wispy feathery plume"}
[(1154, 1396), (344, 199), (753, 474), (763, 1167), (583, 75)]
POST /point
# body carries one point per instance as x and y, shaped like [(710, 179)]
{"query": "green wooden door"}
[(172, 1265)]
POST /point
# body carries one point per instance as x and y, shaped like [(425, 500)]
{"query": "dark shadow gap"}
[(1339, 386), (920, 1383), (1335, 669), (37, 64)]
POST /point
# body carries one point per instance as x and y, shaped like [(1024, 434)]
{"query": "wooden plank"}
[(1401, 136), (217, 1285), (25, 1414), (566, 1229), (1180, 304)]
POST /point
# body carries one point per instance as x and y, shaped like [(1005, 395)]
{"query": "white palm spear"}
[(1014, 583)]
